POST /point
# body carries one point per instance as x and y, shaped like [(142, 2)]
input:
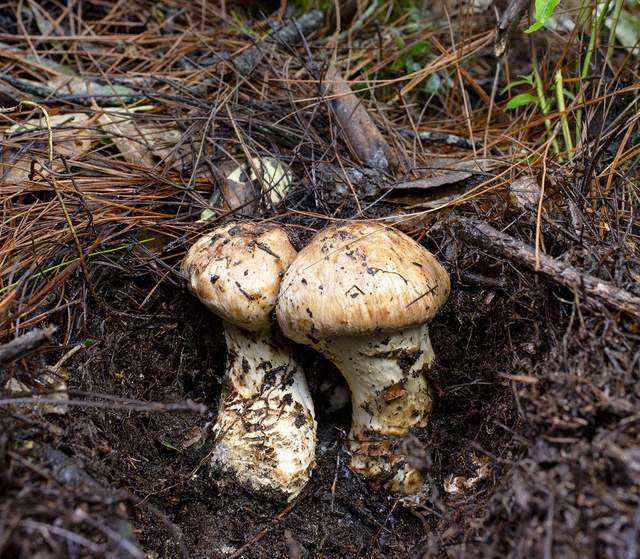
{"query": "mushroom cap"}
[(359, 278), (236, 272)]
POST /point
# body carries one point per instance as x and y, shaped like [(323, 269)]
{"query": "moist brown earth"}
[(540, 400)]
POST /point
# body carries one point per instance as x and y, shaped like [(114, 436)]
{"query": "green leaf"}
[(418, 49), (242, 27), (544, 10), (526, 79), (169, 445), (397, 39), (534, 27), (521, 100)]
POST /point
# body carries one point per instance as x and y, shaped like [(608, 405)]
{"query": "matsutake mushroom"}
[(362, 294), (265, 432)]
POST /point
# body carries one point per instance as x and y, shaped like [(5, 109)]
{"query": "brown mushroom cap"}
[(236, 272), (360, 278)]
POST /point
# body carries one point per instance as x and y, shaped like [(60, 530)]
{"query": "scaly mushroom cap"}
[(359, 278), (236, 272)]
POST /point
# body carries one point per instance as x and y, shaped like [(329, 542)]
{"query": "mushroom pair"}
[(360, 293)]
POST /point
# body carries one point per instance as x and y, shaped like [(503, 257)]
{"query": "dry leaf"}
[(448, 178), (161, 139), (442, 172), (359, 130), (72, 138), (525, 192), (128, 138), (275, 179), (241, 182), (191, 437), (143, 143), (435, 181)]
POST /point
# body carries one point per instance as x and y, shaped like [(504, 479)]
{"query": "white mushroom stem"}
[(389, 394), (265, 422)]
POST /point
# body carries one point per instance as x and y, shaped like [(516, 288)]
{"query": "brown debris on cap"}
[(360, 278), (236, 271)]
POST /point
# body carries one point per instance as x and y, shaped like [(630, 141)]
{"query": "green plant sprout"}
[(591, 16), (564, 121), (533, 80), (544, 9), (597, 19)]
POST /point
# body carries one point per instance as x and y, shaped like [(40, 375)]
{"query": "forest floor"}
[(120, 126)]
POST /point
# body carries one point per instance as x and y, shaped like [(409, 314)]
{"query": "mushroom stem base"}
[(390, 396), (265, 430)]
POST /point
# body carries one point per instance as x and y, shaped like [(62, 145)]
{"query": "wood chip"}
[(358, 129)]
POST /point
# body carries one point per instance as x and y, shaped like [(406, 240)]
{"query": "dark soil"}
[(518, 379)]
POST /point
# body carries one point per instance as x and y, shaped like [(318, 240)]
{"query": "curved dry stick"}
[(595, 291)]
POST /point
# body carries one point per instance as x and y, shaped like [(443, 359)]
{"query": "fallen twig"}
[(508, 23), (49, 93), (24, 344), (441, 138), (34, 527), (304, 25), (473, 278), (106, 401), (594, 291), (262, 533)]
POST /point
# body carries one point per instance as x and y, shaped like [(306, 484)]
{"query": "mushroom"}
[(362, 294), (265, 432)]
